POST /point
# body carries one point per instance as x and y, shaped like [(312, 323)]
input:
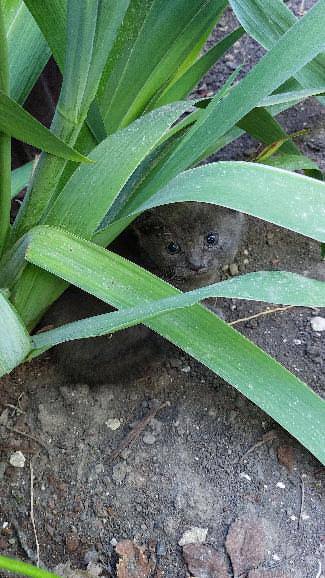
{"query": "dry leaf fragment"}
[(286, 457), (134, 562), (205, 562), (247, 543)]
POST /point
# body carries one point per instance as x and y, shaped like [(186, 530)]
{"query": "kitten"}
[(186, 244)]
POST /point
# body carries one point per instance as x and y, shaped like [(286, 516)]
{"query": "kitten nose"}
[(195, 265)]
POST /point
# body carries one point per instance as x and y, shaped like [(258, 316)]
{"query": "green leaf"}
[(179, 89), (88, 195), (267, 22), (292, 96), (18, 123), (15, 342), (51, 16), (290, 162), (155, 39), (147, 179), (196, 330), (20, 178), (9, 8), (297, 47), (24, 569), (92, 28), (287, 199), (5, 143), (270, 286), (260, 124), (28, 52)]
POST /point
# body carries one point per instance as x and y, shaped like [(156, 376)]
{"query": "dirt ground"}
[(201, 455)]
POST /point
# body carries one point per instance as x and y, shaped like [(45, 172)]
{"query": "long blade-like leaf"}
[(93, 191), (18, 123), (28, 52), (270, 286), (196, 330), (15, 342), (23, 569), (155, 39), (91, 29), (191, 77), (51, 16), (92, 25), (20, 178), (297, 47), (291, 162), (287, 199), (292, 96), (267, 22), (5, 143), (259, 123)]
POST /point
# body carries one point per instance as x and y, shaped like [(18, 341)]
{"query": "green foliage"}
[(24, 569), (121, 61)]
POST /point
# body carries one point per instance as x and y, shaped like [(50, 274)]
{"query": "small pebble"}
[(91, 556), (149, 439), (246, 261), (245, 476), (72, 542), (318, 323), (281, 485), (17, 459), (113, 542), (233, 268), (119, 473), (194, 535), (186, 369), (297, 341), (113, 423)]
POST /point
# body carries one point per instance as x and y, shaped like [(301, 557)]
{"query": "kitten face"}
[(188, 243)]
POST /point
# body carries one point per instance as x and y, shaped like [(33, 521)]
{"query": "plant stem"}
[(5, 141)]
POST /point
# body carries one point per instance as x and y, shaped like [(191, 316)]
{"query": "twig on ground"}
[(26, 435), (302, 501), (14, 449), (134, 434), (319, 573), (32, 512), (15, 407), (262, 313), (267, 437), (23, 541)]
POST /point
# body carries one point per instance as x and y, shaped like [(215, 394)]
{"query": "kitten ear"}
[(148, 223)]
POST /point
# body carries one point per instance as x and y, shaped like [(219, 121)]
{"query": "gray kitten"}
[(186, 244)]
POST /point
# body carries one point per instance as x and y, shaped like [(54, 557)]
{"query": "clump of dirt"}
[(176, 451)]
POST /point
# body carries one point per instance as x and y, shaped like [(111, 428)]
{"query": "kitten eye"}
[(173, 248), (212, 238)]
